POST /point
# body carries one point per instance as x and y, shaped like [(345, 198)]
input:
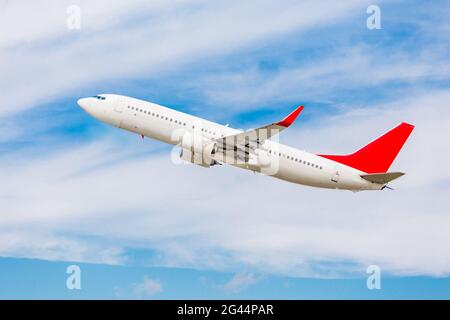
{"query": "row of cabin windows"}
[(296, 160), (157, 115), (209, 131), (169, 119)]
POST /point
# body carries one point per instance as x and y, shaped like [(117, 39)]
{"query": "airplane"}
[(207, 144)]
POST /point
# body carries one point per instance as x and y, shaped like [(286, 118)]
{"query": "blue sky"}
[(118, 282), (76, 191)]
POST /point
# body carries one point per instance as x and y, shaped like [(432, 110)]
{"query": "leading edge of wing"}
[(259, 135)]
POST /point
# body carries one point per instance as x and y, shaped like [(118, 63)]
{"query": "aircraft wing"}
[(244, 142)]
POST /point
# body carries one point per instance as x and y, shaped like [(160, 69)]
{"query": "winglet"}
[(286, 122)]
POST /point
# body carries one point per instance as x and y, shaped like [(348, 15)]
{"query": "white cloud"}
[(45, 20), (148, 287), (111, 45), (20, 242), (324, 79)]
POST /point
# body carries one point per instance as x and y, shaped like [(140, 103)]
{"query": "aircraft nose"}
[(82, 103)]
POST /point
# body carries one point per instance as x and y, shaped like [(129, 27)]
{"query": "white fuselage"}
[(168, 125)]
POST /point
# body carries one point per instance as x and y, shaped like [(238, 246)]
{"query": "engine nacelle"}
[(196, 150)]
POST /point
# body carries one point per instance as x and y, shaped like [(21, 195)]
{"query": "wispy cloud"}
[(343, 70), (148, 287), (241, 281), (42, 244), (116, 48), (145, 289)]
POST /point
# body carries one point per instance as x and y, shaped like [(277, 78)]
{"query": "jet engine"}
[(196, 150)]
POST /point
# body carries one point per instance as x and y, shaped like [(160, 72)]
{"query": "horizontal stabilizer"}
[(382, 178)]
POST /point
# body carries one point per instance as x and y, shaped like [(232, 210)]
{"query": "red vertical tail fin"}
[(377, 156)]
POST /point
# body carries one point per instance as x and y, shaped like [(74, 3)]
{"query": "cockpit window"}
[(99, 97)]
